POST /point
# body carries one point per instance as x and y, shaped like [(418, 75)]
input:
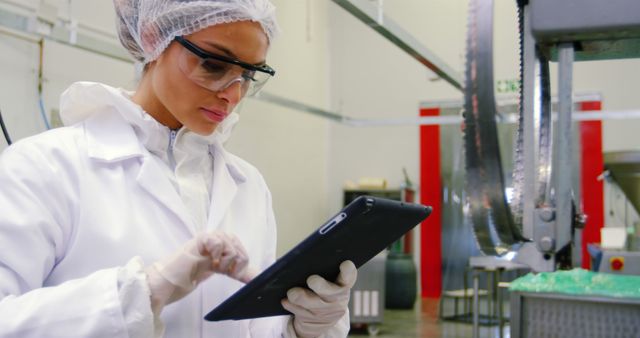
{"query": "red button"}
[(617, 263)]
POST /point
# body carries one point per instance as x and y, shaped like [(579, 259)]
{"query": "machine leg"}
[(476, 307), (500, 322)]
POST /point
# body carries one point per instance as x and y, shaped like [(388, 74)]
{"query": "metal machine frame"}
[(590, 30), (538, 225)]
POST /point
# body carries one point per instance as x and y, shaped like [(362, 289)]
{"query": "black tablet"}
[(358, 232)]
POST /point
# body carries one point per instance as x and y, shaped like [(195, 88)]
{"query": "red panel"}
[(592, 190), (430, 194)]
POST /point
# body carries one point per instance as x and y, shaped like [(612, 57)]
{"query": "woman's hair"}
[(147, 27)]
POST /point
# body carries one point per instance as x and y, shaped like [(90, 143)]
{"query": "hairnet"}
[(146, 27)]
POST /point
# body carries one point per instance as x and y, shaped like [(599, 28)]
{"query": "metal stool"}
[(466, 295)]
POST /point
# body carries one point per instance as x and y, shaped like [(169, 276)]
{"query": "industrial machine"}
[(537, 226), (538, 222)]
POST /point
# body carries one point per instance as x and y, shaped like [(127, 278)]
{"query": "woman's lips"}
[(214, 115)]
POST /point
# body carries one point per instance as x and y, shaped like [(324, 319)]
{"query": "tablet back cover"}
[(359, 232)]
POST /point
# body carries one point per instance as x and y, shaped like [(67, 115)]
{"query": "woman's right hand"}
[(174, 277)]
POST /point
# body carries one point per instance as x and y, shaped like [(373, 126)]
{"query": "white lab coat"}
[(77, 203)]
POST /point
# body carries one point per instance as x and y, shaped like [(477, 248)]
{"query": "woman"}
[(134, 221)]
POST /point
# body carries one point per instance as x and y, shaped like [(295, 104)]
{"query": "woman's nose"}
[(233, 91)]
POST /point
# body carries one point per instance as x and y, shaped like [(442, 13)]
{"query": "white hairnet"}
[(146, 27)]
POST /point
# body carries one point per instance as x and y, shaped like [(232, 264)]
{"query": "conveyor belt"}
[(497, 224)]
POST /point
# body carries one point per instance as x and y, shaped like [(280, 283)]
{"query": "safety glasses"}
[(217, 72)]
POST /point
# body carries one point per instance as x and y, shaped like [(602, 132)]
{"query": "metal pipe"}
[(507, 100), (18, 35), (606, 115), (368, 14), (19, 22), (563, 171), (288, 103), (83, 26), (427, 120), (504, 119), (444, 120), (19, 4)]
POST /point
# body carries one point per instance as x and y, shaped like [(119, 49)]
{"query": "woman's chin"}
[(202, 129)]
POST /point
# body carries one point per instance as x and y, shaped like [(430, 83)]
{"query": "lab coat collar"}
[(83, 99), (111, 140), (108, 138), (110, 135)]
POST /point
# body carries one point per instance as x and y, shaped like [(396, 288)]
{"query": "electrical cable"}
[(40, 81), (4, 130)]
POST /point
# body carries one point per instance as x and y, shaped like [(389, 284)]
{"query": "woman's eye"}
[(249, 75), (214, 67)]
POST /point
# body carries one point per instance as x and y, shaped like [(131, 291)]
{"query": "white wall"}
[(617, 80), (372, 78), (290, 147)]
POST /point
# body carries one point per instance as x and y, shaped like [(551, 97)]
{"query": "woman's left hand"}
[(319, 309)]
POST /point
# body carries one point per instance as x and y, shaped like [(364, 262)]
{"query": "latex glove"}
[(319, 309), (176, 276)]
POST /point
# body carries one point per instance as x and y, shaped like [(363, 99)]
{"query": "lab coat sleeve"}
[(84, 307), (135, 300), (36, 220)]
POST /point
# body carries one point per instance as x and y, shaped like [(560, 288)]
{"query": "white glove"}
[(176, 276), (319, 309)]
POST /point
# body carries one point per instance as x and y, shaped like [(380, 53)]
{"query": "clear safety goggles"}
[(217, 72)]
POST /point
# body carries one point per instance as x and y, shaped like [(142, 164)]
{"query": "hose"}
[(4, 130), (43, 113)]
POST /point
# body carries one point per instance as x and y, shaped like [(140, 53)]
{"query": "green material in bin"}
[(579, 282)]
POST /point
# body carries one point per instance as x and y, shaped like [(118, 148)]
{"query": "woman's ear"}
[(150, 66), (140, 71)]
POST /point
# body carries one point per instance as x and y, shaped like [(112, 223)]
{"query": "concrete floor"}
[(423, 321)]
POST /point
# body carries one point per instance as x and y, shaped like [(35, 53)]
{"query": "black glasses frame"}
[(206, 55)]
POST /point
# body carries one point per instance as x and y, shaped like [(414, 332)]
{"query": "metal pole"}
[(490, 295), (494, 287), (563, 171), (500, 323), (476, 307)]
